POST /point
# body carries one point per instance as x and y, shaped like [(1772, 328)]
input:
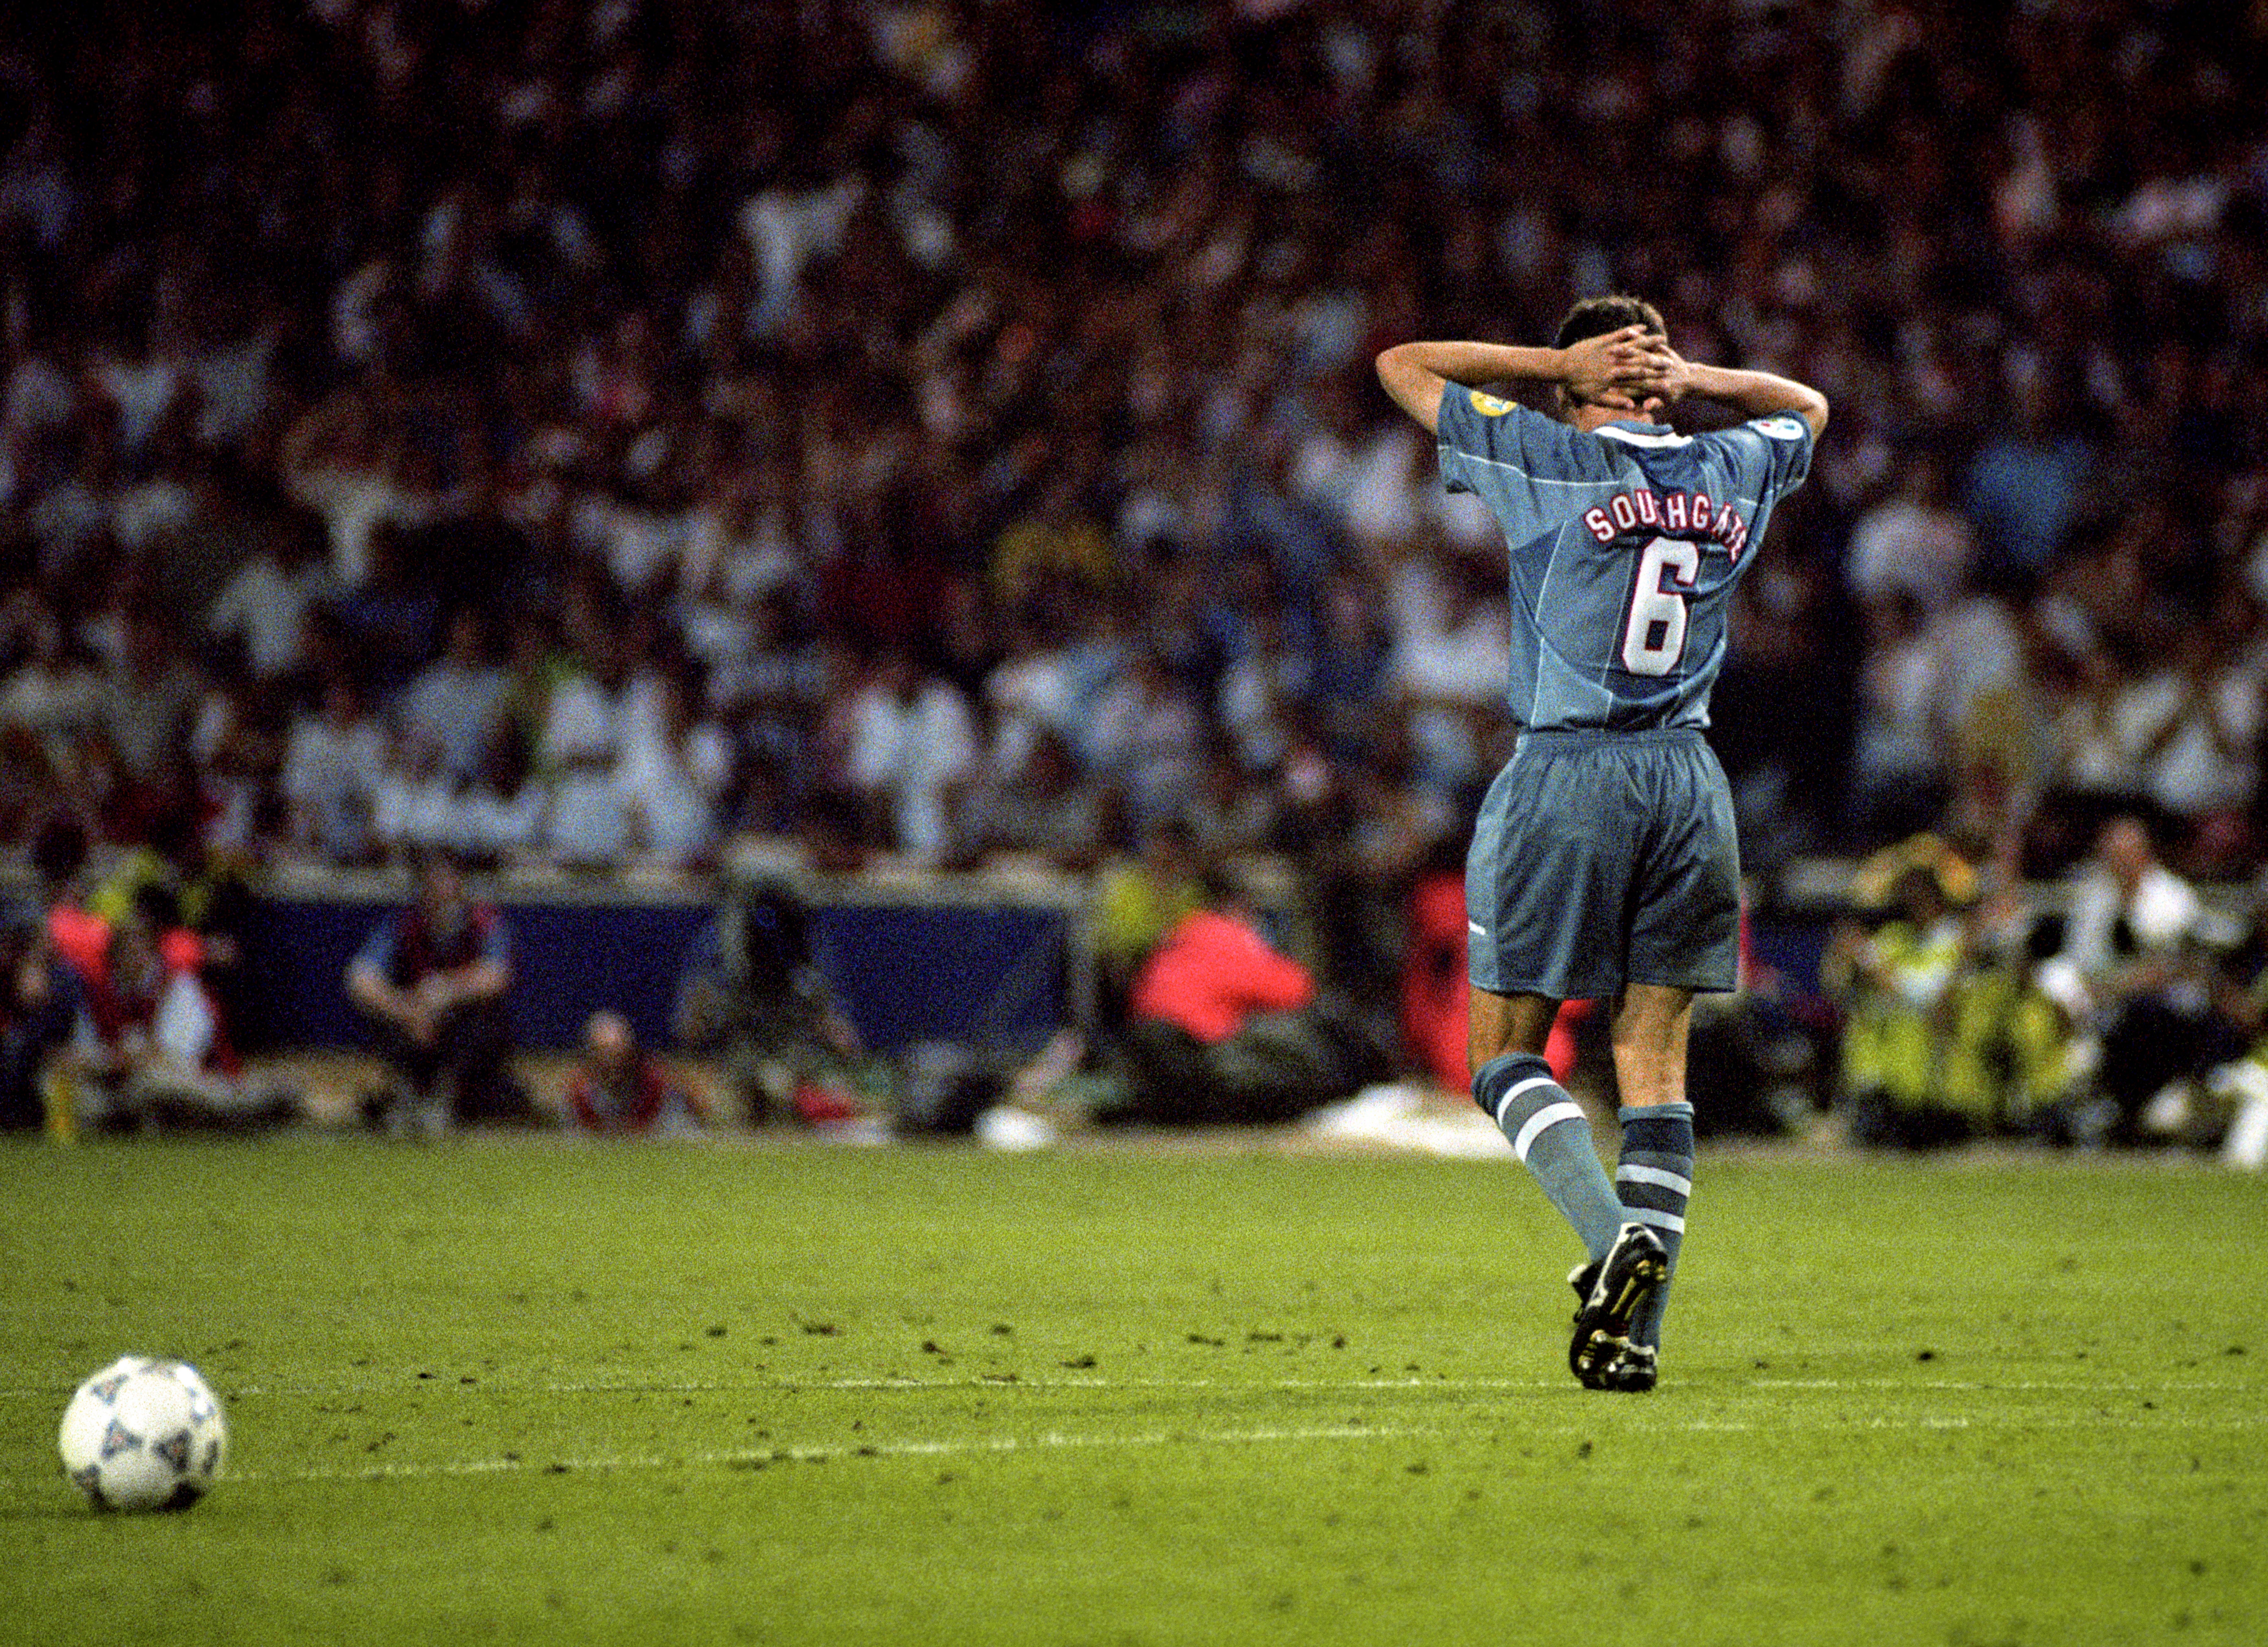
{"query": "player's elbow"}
[(1814, 411), (1409, 382)]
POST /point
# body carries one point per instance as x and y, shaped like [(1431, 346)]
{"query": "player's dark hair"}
[(1594, 316)]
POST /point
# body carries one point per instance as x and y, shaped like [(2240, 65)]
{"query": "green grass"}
[(533, 1392)]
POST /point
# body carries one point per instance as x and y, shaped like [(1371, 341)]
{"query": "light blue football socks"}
[(1552, 1138)]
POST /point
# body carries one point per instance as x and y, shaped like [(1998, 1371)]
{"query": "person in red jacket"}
[(1223, 1026), (76, 937), (1214, 971)]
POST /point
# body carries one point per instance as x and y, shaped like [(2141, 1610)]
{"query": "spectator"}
[(433, 979), (1231, 815), (2138, 942), (1145, 738), (1450, 661), (619, 1088), (2025, 486), (1913, 543), (2197, 720), (155, 1054), (580, 745), (1056, 539), (1898, 776), (458, 700), (1222, 1026), (414, 805), (673, 770), (341, 461), (149, 702), (333, 767), (501, 815), (1257, 689), (1027, 695), (1048, 811), (41, 1001), (54, 696), (912, 752)]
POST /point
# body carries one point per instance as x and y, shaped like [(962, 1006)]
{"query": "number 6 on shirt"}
[(1654, 639)]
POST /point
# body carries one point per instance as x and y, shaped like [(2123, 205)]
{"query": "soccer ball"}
[(144, 1432)]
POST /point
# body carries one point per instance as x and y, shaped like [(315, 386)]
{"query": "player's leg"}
[(1546, 889), (1547, 1129), (1655, 1174), (1684, 938), (1536, 882)]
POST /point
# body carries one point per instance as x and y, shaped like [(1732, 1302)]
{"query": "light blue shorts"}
[(1603, 859)]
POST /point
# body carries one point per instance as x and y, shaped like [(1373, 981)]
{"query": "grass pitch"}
[(534, 1391)]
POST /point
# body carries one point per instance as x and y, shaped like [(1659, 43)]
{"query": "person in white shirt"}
[(673, 768), (414, 807), (1912, 542), (332, 767), (501, 817), (337, 461), (458, 700), (911, 750), (265, 602), (2139, 941)]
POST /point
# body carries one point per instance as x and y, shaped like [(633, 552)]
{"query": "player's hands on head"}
[(1677, 374), (1622, 370)]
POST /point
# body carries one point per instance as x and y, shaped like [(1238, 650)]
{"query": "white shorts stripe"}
[(1550, 1116), (1653, 1175), (1670, 1221)]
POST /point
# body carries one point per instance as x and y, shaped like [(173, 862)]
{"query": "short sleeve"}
[(1775, 453), (496, 940), (1532, 472), (376, 952), (1487, 441)]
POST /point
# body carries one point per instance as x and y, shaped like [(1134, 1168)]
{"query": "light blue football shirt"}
[(1624, 544)]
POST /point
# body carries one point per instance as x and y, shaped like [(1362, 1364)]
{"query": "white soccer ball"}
[(144, 1432)]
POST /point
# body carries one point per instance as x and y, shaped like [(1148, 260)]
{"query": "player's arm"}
[(1607, 370), (369, 983), (1750, 394)]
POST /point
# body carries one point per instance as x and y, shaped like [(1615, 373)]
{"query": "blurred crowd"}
[(2129, 1009), (583, 432)]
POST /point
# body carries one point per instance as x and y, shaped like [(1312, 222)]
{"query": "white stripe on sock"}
[(1670, 1221), (1653, 1175), (1550, 1115), (1504, 1103)]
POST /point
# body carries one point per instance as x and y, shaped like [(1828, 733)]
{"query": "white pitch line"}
[(1047, 1442), (693, 1386), (791, 1386), (1050, 1441), (1997, 1385), (1055, 1441)]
